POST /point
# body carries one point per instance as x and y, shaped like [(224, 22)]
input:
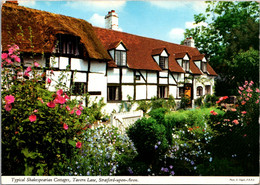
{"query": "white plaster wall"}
[(179, 61), (163, 73), (186, 57), (173, 91), (127, 76), (163, 80), (152, 77), (112, 53), (127, 90), (113, 75), (64, 62), (156, 58), (79, 77), (171, 80), (120, 47), (79, 64), (97, 82), (140, 92), (30, 61), (151, 91), (198, 64), (55, 79), (99, 67), (164, 54)]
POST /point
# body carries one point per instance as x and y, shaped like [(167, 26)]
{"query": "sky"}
[(163, 20)]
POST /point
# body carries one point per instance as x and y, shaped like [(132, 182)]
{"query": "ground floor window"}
[(199, 91), (163, 92), (207, 89), (181, 91), (79, 88), (113, 93)]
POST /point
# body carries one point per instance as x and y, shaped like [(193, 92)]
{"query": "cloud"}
[(197, 6), (176, 35), (97, 20), (27, 3), (97, 6)]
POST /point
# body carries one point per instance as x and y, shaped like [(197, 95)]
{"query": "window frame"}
[(186, 65), (207, 89), (162, 89), (120, 62), (203, 67), (68, 45), (76, 88), (164, 62)]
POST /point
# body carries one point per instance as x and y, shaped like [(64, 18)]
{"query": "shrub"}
[(143, 105), (104, 152)]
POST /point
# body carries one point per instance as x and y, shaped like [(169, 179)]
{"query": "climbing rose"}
[(78, 112), (32, 118), (68, 108), (8, 107), (17, 59), (78, 144), (60, 100), (49, 81), (9, 99), (4, 56), (36, 64), (29, 69), (257, 101), (51, 104), (59, 92), (65, 126)]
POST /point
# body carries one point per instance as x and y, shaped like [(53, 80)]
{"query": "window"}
[(163, 62), (207, 89), (163, 92), (79, 88), (68, 45), (186, 65), (137, 77), (204, 67), (120, 58), (199, 91), (113, 93), (181, 91)]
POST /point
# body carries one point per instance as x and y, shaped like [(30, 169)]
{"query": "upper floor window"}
[(120, 57), (68, 45), (163, 62), (204, 67), (186, 65)]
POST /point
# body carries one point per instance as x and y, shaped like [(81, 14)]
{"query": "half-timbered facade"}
[(104, 62)]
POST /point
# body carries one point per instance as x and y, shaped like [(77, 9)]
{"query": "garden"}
[(47, 133)]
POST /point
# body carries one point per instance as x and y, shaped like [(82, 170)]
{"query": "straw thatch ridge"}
[(20, 25)]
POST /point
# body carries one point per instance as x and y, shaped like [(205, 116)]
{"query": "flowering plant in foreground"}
[(39, 134)]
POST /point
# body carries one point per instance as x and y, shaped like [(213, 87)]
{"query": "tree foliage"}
[(230, 41)]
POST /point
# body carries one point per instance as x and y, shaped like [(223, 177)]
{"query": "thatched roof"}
[(18, 22)]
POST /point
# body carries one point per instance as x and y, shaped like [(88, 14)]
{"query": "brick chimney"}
[(14, 2), (189, 42), (111, 20)]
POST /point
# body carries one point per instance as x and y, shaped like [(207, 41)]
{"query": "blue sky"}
[(164, 20)]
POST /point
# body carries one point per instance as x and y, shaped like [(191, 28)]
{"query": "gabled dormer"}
[(161, 56), (118, 52), (183, 60), (200, 62)]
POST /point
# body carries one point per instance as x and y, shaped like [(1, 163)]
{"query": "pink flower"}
[(29, 69), (225, 97), (239, 92), (9, 99), (257, 101), (59, 92), (249, 90), (72, 112), (68, 108), (243, 112), (215, 113), (246, 82), (227, 120), (4, 56), (48, 81), (80, 107), (78, 112), (233, 110), (51, 104), (251, 83), (217, 102), (65, 126), (36, 64), (235, 121), (32, 118), (66, 96), (78, 144), (8, 107), (60, 100), (26, 74), (17, 59), (243, 102), (35, 111), (221, 98), (247, 99), (257, 90), (241, 88)]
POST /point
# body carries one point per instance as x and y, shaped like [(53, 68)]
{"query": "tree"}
[(231, 35)]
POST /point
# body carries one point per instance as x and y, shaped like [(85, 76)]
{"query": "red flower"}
[(26, 74), (217, 102), (4, 56), (243, 102), (68, 108), (243, 112), (225, 97), (235, 121), (65, 126), (190, 129), (8, 107), (32, 118), (257, 90), (80, 107), (215, 113), (51, 104), (211, 111), (17, 59), (36, 64), (9, 99), (72, 112), (257, 101), (48, 81), (78, 144), (60, 100), (78, 112), (66, 96), (29, 69)]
